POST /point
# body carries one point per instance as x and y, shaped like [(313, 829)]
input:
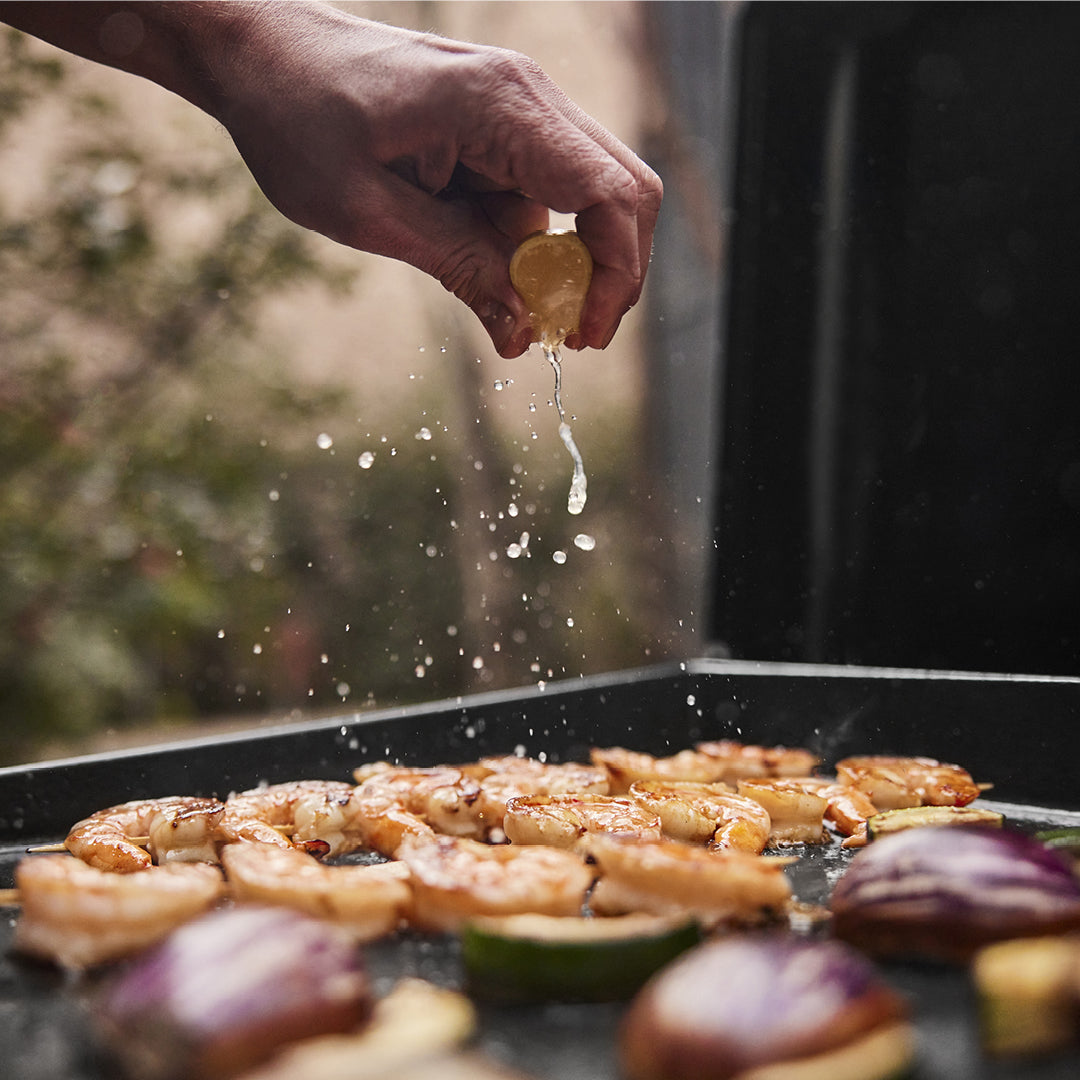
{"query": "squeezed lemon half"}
[(551, 271)]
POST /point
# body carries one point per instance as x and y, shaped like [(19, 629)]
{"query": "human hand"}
[(437, 153)]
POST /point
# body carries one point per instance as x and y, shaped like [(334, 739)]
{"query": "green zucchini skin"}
[(1066, 839), (504, 965)]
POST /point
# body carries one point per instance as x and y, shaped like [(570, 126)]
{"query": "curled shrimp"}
[(264, 814), (177, 828), (77, 915), (369, 901), (562, 820), (507, 777), (669, 877), (710, 813), (454, 879), (846, 807), (721, 761), (896, 782), (445, 797), (374, 821), (624, 767), (796, 812)]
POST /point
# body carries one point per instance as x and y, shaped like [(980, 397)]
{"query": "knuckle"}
[(461, 271)]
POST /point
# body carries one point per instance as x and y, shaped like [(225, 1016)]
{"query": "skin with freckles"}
[(438, 153)]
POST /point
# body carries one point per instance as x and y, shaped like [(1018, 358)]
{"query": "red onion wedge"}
[(941, 894), (224, 992), (767, 1007)]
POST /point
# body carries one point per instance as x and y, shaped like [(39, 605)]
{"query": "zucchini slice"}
[(530, 958), (1066, 839), (1028, 993), (913, 817)]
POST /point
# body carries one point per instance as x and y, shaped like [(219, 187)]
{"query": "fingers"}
[(565, 160)]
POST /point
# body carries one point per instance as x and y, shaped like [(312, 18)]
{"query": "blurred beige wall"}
[(387, 336)]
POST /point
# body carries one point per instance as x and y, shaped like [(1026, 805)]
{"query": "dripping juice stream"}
[(575, 502)]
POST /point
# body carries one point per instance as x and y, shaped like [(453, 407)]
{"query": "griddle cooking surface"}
[(44, 1028)]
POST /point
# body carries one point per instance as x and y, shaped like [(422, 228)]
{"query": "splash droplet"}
[(585, 541)]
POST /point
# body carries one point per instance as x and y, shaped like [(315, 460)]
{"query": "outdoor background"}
[(249, 475)]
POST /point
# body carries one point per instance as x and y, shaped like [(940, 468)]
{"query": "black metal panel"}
[(900, 478)]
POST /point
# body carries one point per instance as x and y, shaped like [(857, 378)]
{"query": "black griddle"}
[(1013, 731)]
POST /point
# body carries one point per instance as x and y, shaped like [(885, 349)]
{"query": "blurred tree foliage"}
[(174, 541), (147, 558)]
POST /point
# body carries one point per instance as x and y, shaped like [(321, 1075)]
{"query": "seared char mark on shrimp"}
[(705, 813), (177, 829), (562, 820)]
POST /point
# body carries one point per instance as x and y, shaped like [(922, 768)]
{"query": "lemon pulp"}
[(551, 272)]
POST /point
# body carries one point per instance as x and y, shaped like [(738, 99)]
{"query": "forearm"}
[(180, 46)]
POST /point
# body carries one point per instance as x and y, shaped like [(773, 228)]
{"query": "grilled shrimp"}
[(263, 814), (179, 828), (711, 813), (77, 915), (669, 877), (507, 777), (624, 767), (454, 879), (562, 820), (897, 782), (445, 797), (846, 807), (369, 901), (722, 761), (343, 823), (742, 761), (796, 814)]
